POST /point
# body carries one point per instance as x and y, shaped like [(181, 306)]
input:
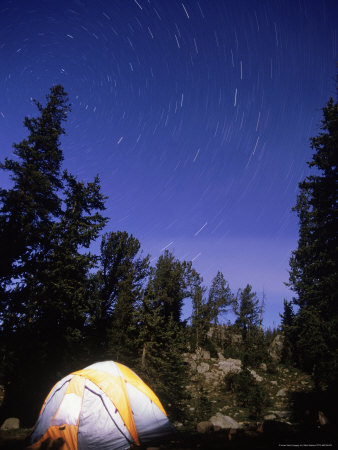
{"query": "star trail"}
[(196, 115)]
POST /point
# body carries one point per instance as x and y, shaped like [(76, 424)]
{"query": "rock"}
[(224, 422), (189, 358), (204, 427), (256, 376), (270, 417), (202, 354), (203, 367), (273, 382), (12, 423), (282, 392), (230, 366), (323, 420), (220, 356), (276, 347)]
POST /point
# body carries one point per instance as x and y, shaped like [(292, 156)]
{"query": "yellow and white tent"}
[(103, 407)]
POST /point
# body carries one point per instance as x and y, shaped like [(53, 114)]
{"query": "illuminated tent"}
[(104, 406)]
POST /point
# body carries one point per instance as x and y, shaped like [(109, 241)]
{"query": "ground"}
[(269, 437)]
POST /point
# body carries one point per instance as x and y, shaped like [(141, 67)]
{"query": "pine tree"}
[(201, 315), (29, 208), (248, 312), (120, 284), (287, 328), (220, 297), (169, 283), (47, 219), (314, 264), (162, 333)]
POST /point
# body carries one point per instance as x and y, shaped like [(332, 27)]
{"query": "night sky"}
[(196, 115)]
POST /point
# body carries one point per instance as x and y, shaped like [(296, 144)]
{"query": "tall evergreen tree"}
[(287, 328), (200, 318), (314, 264), (119, 287), (220, 297), (169, 285), (47, 218), (248, 314), (161, 334), (247, 310), (29, 208)]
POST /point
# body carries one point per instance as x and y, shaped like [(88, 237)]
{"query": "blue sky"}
[(196, 115)]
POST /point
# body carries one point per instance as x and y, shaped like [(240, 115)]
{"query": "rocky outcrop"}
[(203, 367), (276, 348), (224, 422), (230, 366)]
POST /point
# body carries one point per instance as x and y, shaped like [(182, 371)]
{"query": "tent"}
[(103, 407)]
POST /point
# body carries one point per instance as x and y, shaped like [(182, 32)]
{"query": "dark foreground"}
[(271, 435)]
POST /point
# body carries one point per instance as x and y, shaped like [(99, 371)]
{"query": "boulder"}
[(192, 364), (276, 348), (270, 417), (203, 367), (256, 376), (230, 366), (224, 422), (204, 427), (323, 420), (202, 354), (12, 423), (282, 392)]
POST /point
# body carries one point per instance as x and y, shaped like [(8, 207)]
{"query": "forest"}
[(62, 307)]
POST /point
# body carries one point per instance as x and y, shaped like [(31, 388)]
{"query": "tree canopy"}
[(314, 264)]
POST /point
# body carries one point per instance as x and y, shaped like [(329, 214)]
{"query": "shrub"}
[(249, 393)]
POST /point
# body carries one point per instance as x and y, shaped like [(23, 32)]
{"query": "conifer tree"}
[(201, 316), (119, 287), (314, 264), (47, 219), (161, 336), (169, 285), (248, 311), (287, 328), (220, 297)]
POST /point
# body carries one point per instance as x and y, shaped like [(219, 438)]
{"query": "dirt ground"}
[(269, 438)]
